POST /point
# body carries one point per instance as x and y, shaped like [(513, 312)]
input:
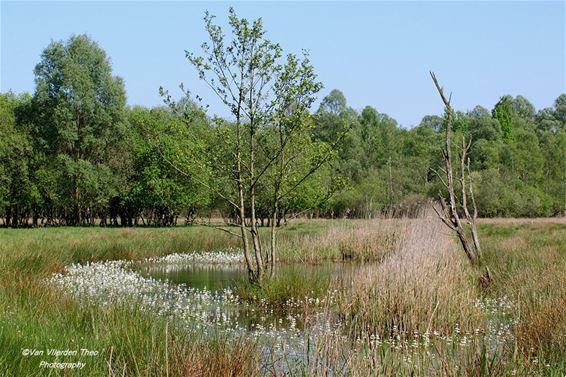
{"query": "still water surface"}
[(216, 277)]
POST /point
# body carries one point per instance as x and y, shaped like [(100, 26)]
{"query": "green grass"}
[(46, 247), (130, 342), (34, 316), (528, 262), (126, 341), (529, 265), (285, 287)]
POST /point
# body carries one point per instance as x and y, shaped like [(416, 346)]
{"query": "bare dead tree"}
[(467, 188), (449, 211)]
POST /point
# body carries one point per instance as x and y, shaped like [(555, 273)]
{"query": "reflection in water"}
[(218, 277), (110, 283), (213, 277)]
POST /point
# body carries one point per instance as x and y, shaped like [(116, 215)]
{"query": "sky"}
[(377, 53)]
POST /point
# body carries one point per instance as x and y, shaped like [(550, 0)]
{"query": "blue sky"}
[(377, 53)]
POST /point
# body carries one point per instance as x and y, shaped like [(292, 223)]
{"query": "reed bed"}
[(423, 286), (348, 240)]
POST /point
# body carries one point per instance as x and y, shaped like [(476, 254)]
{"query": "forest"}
[(74, 153)]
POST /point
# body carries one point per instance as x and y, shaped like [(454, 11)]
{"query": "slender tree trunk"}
[(15, 216), (476, 240), (255, 233), (77, 155), (243, 230), (466, 183), (276, 199), (252, 108), (8, 216), (241, 201), (273, 241), (475, 236)]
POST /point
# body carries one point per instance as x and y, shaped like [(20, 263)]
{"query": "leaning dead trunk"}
[(449, 211), (467, 187), (447, 216)]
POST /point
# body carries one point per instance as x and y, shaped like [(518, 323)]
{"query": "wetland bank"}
[(409, 309)]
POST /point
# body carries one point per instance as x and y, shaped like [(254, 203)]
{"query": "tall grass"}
[(285, 290), (333, 355), (45, 248), (129, 343), (424, 285), (351, 240), (415, 282), (529, 262)]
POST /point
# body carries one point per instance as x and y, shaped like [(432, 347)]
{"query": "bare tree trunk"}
[(252, 107), (243, 230), (449, 214), (77, 207), (466, 183), (276, 199), (475, 236), (454, 223)]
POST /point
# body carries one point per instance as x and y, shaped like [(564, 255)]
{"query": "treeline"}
[(517, 158), (73, 153)]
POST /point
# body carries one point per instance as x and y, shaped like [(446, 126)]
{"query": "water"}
[(285, 331), (217, 277), (197, 295), (212, 277)]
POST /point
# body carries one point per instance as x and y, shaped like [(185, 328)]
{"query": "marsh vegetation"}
[(409, 305)]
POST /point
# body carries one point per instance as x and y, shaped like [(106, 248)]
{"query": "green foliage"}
[(74, 154), (501, 197), (18, 191), (79, 122), (155, 185)]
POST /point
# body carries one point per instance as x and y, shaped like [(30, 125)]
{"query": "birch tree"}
[(263, 91)]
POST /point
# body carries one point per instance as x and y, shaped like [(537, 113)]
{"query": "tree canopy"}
[(73, 153)]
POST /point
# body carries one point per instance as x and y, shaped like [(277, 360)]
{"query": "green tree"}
[(513, 113), (523, 158), (245, 72), (18, 194), (155, 186), (560, 109), (80, 107)]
